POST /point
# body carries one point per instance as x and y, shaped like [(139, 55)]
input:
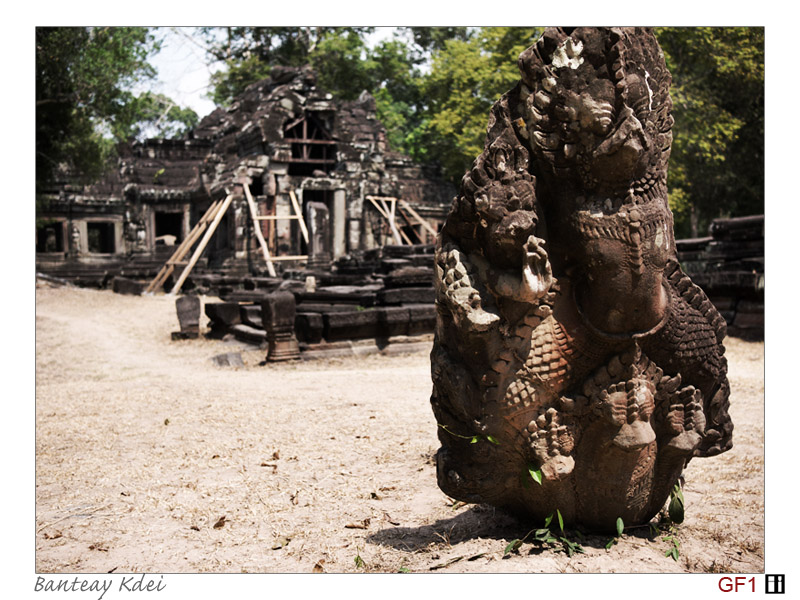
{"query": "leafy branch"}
[(545, 536), (473, 439)]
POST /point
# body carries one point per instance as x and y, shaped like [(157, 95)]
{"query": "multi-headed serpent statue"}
[(569, 344)]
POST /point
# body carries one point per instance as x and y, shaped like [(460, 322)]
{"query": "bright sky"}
[(183, 72)]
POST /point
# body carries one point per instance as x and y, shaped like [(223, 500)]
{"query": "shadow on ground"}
[(484, 522)]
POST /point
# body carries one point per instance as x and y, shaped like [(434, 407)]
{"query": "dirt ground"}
[(151, 459)]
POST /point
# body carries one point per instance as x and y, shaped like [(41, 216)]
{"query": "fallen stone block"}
[(250, 335), (185, 335), (407, 295), (392, 321), (251, 315), (350, 325), (229, 359), (123, 285), (421, 318), (225, 313), (308, 327)]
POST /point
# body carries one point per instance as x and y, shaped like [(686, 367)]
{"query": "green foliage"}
[(473, 439), (620, 526), (676, 504), (249, 53), (545, 537), (467, 76), (80, 73), (436, 114), (717, 161), (155, 114), (230, 83), (674, 550), (338, 60), (535, 475), (670, 520), (83, 100), (430, 39)]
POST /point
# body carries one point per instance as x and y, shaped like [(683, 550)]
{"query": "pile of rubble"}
[(383, 302), (729, 266)]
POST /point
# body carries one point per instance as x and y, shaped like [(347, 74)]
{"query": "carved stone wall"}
[(569, 343)]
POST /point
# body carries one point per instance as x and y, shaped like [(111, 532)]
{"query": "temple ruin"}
[(300, 152)]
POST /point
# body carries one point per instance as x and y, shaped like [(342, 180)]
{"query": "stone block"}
[(278, 311), (350, 325), (123, 285), (392, 321), (224, 313), (229, 359), (421, 318), (251, 315), (188, 308), (308, 327), (407, 295)]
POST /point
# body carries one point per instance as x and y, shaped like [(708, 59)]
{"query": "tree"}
[(717, 161), (467, 77), (434, 95), (249, 53), (83, 100)]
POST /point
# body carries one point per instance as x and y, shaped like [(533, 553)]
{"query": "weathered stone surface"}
[(408, 295), (278, 311), (421, 318), (185, 335), (188, 308), (323, 307), (229, 359), (222, 316), (410, 277), (308, 327), (343, 294), (123, 285), (729, 265), (568, 340), (248, 334), (350, 325), (251, 315)]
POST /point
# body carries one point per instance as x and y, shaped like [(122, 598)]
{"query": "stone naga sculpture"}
[(570, 347)]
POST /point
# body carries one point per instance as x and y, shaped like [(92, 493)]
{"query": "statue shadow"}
[(485, 522), (478, 521)]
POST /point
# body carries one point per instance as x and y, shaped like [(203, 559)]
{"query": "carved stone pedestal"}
[(188, 308), (278, 314)]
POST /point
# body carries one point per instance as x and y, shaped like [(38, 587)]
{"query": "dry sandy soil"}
[(151, 459)]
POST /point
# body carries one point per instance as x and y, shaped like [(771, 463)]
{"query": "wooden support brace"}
[(299, 214), (416, 215), (183, 248), (291, 257), (409, 223), (203, 243), (257, 227)]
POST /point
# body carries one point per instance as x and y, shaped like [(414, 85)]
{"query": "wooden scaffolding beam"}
[(183, 249), (209, 222), (203, 243), (389, 211), (257, 227)]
